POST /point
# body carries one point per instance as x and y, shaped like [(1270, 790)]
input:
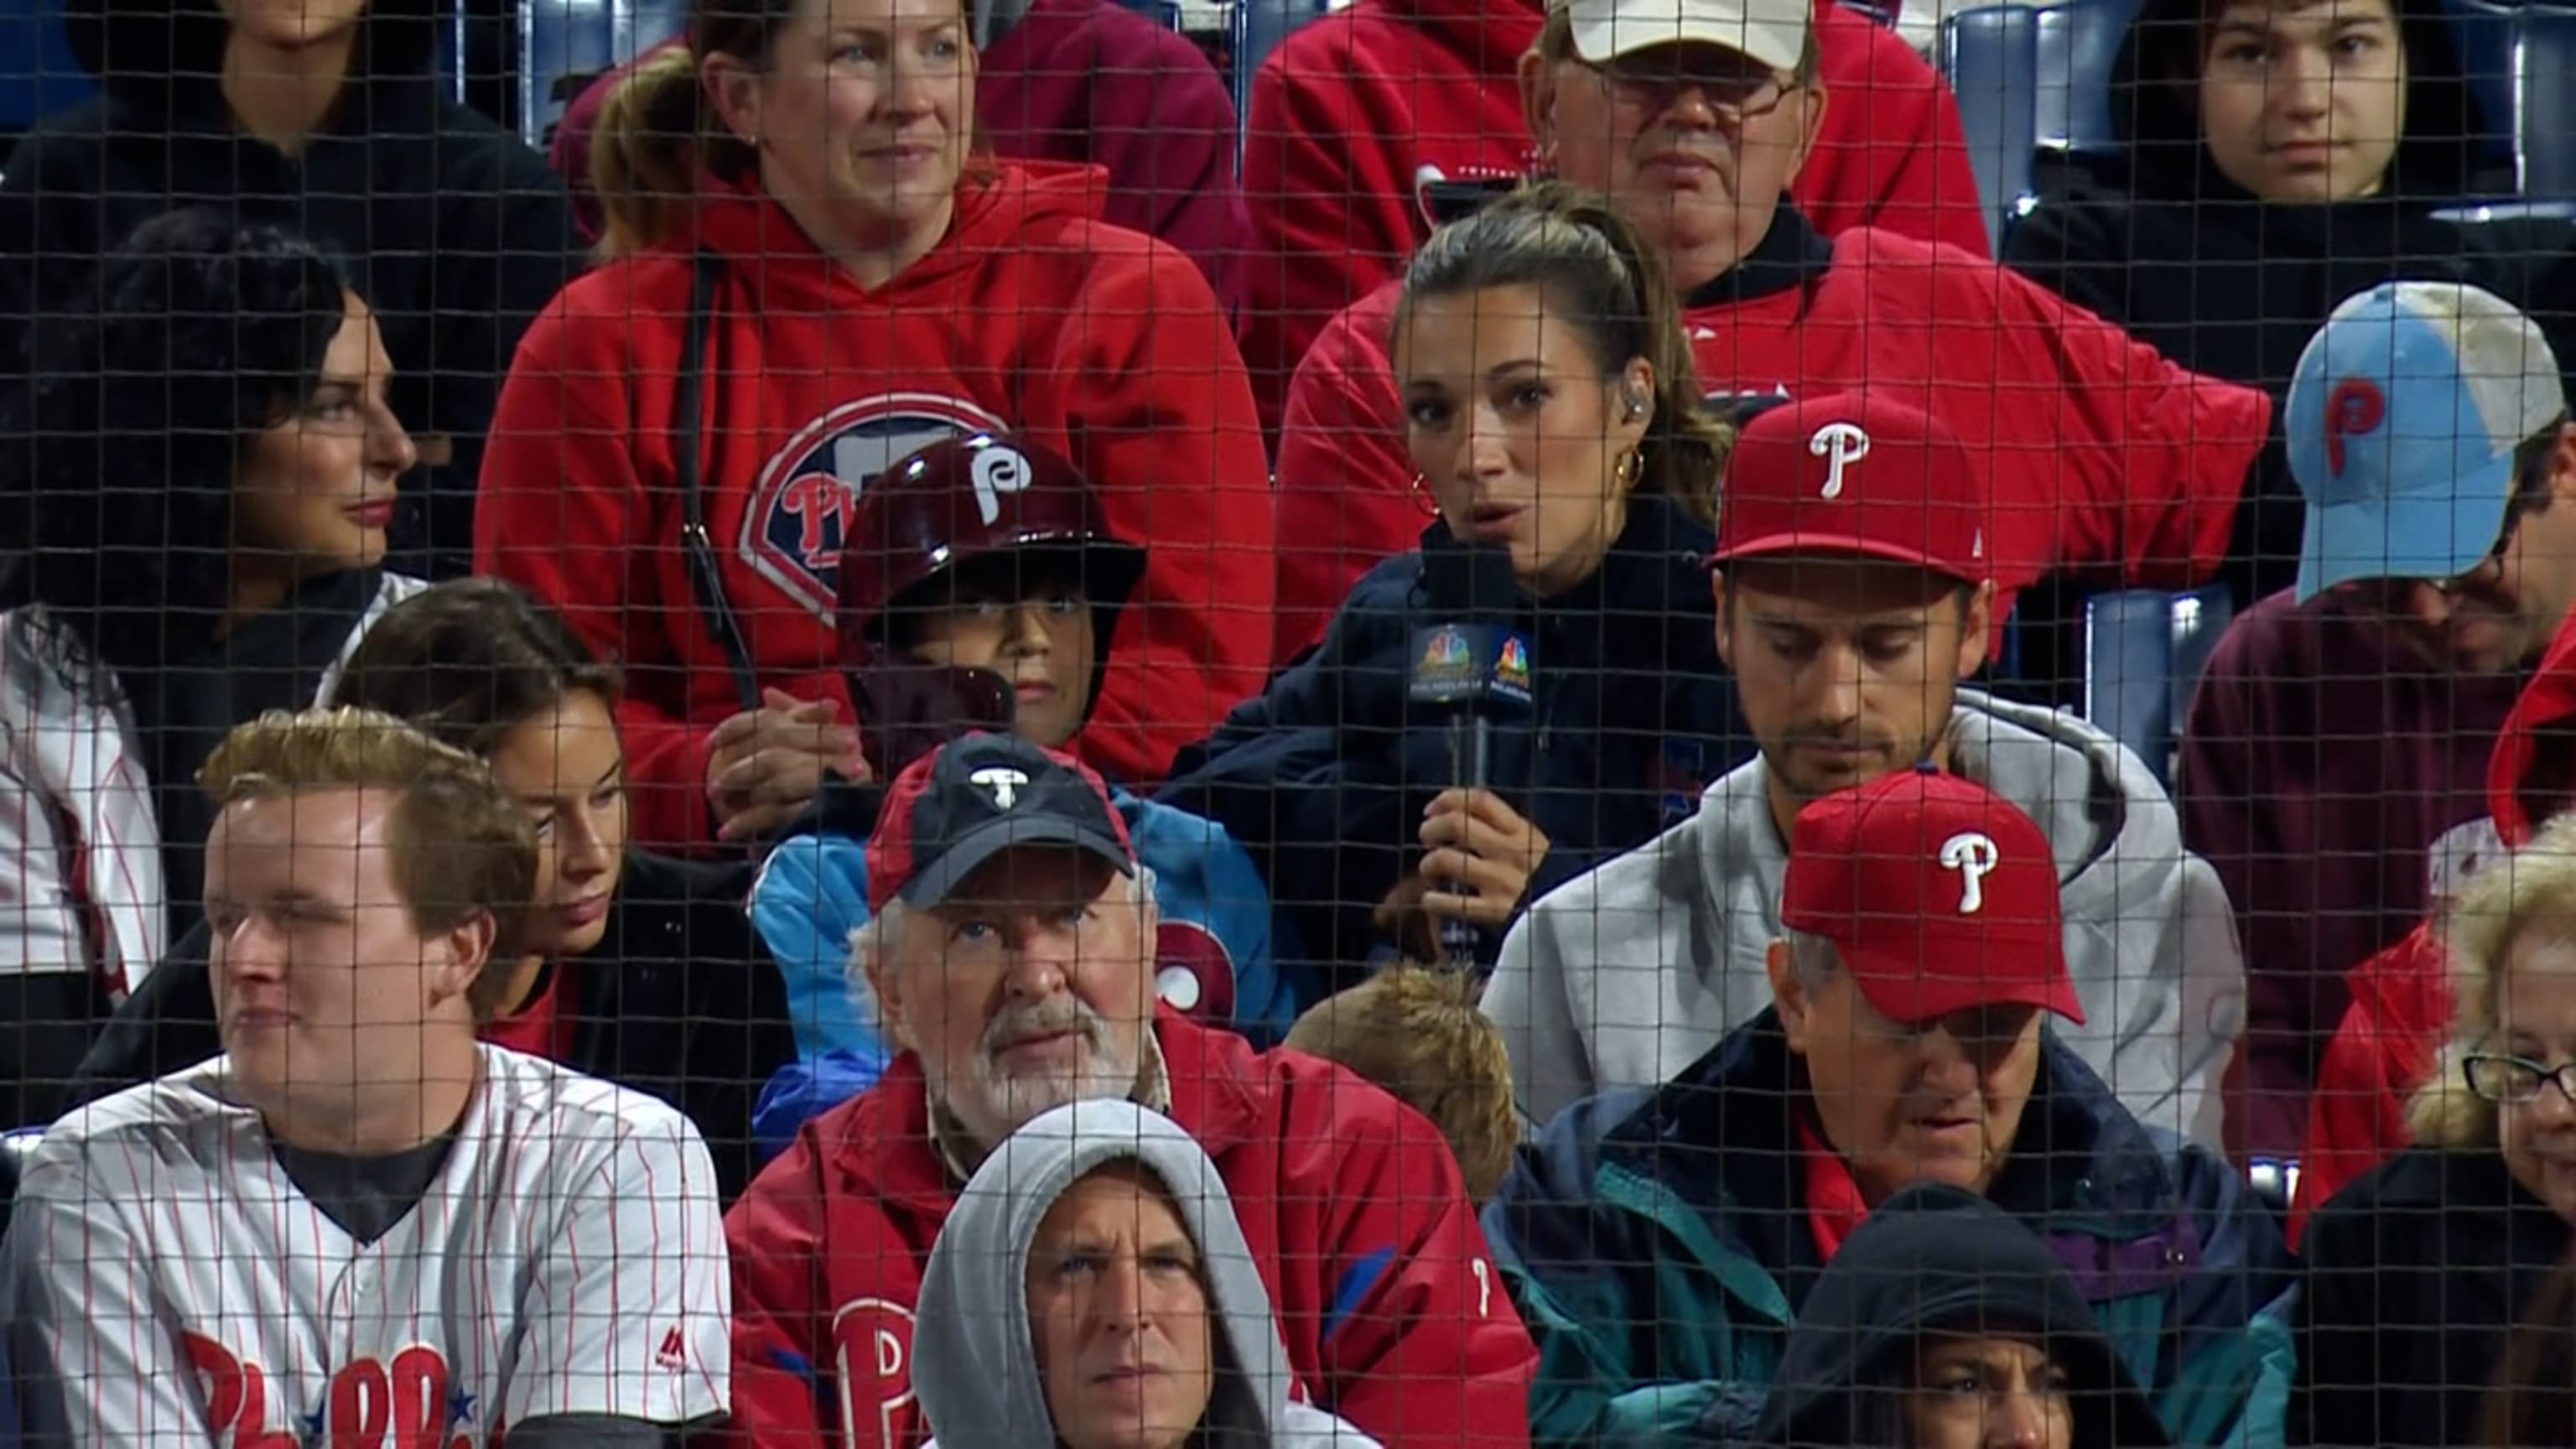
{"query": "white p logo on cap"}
[(1972, 854), (1840, 445), (998, 470)]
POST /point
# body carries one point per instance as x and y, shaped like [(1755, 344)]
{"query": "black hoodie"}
[(455, 232), (1937, 1259)]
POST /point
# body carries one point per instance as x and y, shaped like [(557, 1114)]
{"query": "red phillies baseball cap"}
[(1940, 896), (975, 797), (1850, 473)]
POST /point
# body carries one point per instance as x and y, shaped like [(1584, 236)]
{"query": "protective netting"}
[(1191, 722)]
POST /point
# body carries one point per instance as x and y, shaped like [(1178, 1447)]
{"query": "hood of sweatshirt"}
[(1935, 1259), (2147, 934), (2155, 112), (974, 1366), (169, 52), (1010, 208)]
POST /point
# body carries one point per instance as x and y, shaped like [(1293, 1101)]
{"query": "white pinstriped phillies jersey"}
[(170, 1285)]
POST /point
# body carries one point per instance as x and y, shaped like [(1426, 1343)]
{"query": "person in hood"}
[(1855, 591), (851, 282), (965, 606), (1093, 1290), (2390, 1038), (1944, 1323), (632, 968), (2107, 461), (1010, 948), (1089, 82), (1559, 438), (2272, 159), (2342, 725), (197, 526), (329, 117), (1363, 118), (1921, 949), (2418, 1271)]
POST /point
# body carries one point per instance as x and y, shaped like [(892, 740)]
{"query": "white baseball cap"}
[(1773, 32)]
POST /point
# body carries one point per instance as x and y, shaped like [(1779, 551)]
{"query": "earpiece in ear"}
[(1636, 402)]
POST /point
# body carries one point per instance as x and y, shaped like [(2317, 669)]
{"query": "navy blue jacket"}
[(1325, 777)]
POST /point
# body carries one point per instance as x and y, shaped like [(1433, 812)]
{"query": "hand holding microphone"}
[(1469, 674)]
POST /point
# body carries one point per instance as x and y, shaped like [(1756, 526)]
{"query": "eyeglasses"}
[(2516, 1081), (1654, 82)]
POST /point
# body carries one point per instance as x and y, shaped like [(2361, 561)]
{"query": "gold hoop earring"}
[(1630, 467), (1422, 499)]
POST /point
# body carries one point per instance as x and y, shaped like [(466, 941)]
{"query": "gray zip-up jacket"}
[(974, 1364), (1625, 976)]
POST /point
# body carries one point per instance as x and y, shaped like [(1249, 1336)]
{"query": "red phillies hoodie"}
[(2391, 1034), (1357, 108), (1031, 316), (2102, 455)]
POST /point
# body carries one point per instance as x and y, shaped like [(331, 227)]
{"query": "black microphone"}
[(1470, 671)]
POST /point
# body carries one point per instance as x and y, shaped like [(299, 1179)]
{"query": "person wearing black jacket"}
[(2265, 162), (1580, 448), (639, 970), (1944, 1321), (328, 116)]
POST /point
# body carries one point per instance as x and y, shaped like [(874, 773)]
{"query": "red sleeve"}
[(779, 1359), (559, 498), (2154, 459), (1433, 1352), (1331, 217), (1345, 482), (2381, 1052), (1166, 133), (1163, 425), (1910, 174)]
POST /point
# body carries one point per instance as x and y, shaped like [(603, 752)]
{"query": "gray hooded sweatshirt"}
[(1627, 975), (974, 1365)]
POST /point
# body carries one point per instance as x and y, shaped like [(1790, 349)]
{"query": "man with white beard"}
[(1010, 952)]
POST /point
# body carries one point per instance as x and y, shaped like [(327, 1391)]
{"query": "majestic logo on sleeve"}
[(800, 509), (1971, 854)]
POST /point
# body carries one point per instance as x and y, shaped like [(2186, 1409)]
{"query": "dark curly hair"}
[(124, 441)]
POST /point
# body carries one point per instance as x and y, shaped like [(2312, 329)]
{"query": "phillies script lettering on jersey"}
[(409, 1403), (167, 1275)]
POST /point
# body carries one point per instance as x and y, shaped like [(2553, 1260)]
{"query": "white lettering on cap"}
[(1840, 445), (1972, 855)]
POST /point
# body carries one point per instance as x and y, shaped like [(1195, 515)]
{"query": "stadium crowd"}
[(915, 744)]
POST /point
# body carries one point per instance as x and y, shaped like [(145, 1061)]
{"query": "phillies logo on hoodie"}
[(800, 509)]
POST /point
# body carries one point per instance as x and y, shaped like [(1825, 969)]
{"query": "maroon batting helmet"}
[(979, 501)]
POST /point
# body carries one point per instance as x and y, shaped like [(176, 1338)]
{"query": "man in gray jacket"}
[(1854, 596)]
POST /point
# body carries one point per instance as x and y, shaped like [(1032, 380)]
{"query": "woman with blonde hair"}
[(2417, 1272), (819, 274)]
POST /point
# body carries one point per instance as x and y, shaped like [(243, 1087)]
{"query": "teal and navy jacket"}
[(1215, 960), (1657, 1243)]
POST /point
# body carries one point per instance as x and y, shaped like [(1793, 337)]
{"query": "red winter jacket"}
[(1350, 1201), (2391, 1034), (1352, 112), (1032, 315), (2104, 455)]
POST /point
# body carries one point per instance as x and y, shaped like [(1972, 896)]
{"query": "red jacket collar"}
[(1217, 1084)]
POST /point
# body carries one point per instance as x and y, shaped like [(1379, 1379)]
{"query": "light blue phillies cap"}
[(2403, 419)]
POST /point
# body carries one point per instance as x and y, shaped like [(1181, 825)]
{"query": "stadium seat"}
[(2078, 45), (2274, 1184), (1991, 56), (1258, 28), (2517, 57), (582, 38), (37, 71), (2144, 650)]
